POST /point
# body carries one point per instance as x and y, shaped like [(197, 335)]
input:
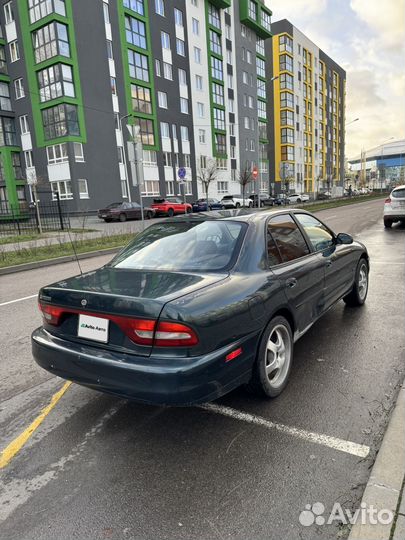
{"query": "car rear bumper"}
[(158, 381), (394, 213)]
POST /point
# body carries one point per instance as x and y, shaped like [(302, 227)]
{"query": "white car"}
[(295, 198), (394, 206), (236, 201)]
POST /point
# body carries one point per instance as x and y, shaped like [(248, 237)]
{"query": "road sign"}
[(255, 172), (181, 173)]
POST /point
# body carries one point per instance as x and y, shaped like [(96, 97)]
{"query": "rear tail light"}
[(387, 201), (140, 331)]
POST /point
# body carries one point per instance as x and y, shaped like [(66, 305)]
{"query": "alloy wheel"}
[(278, 356)]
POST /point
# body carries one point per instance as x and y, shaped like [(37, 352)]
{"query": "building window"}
[(5, 102), (138, 66), (19, 89), (167, 159), (260, 46), (135, 5), (180, 47), (285, 44), (162, 100), (178, 17), (83, 189), (215, 43), (146, 130), (165, 39), (141, 99), (29, 159), (113, 82), (197, 55), (3, 62), (252, 9), (158, 68), (213, 16), (7, 132), (219, 118), (286, 81), (58, 153), (135, 32), (222, 187), (14, 51), (8, 13), (60, 121), (260, 67), (51, 40), (24, 127), (110, 54), (169, 187), (201, 136), (167, 71), (287, 136), (164, 130), (149, 158), (200, 109), (286, 100), (106, 12), (63, 189), (38, 9), (196, 26), (266, 20), (151, 188), (217, 68), (203, 162), (16, 162), (184, 105), (220, 143), (55, 81), (218, 94), (198, 82), (261, 89), (182, 76), (286, 63), (160, 7), (287, 153), (184, 133), (261, 109)]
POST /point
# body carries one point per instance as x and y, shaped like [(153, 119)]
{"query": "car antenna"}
[(75, 252)]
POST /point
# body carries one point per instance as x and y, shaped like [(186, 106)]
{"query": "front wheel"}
[(188, 210), (237, 205), (298, 201), (274, 359), (357, 296), (123, 218), (170, 212)]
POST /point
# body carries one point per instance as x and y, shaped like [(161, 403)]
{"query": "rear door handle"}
[(291, 282)]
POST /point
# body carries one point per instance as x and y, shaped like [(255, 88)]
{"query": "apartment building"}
[(306, 132), (73, 73)]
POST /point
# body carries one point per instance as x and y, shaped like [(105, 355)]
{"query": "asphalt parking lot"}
[(100, 467)]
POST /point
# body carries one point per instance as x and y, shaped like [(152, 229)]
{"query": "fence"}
[(43, 215)]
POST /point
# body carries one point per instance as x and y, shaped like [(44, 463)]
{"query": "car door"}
[(338, 259), (300, 271)]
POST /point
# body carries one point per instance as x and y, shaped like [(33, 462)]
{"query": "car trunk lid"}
[(111, 293)]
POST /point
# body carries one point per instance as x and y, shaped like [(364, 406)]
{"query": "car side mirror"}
[(344, 238)]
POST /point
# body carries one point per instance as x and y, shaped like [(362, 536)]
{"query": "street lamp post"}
[(348, 124), (122, 118)]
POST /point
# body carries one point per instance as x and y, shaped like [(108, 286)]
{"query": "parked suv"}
[(394, 206), (295, 198), (264, 198), (236, 201)]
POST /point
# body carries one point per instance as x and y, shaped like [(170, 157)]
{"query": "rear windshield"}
[(185, 246), (227, 197), (398, 193)]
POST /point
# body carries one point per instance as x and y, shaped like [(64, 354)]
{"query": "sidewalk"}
[(385, 488)]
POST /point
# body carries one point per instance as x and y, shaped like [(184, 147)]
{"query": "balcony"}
[(221, 4), (256, 16)]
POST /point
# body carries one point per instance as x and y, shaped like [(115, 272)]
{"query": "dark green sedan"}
[(196, 306)]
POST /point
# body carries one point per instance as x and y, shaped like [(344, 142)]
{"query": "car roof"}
[(242, 214), (399, 187)]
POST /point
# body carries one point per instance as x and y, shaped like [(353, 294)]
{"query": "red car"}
[(170, 206)]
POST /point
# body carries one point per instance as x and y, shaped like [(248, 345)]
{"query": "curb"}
[(384, 487), (56, 260)]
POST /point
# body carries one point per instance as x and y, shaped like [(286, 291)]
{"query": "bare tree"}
[(207, 175), (244, 177)]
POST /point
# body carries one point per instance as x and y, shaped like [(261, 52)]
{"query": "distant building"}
[(306, 132), (384, 165)]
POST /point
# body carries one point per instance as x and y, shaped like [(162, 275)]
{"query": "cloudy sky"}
[(367, 38)]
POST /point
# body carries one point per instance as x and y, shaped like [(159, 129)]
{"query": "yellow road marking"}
[(15, 446)]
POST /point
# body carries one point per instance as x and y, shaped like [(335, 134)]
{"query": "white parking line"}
[(18, 300), (349, 447)]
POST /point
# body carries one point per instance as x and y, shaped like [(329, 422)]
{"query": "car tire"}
[(274, 359), (261, 204), (237, 205), (149, 215), (107, 220), (188, 210), (122, 218), (170, 212), (387, 223), (357, 296), (299, 201), (250, 204)]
